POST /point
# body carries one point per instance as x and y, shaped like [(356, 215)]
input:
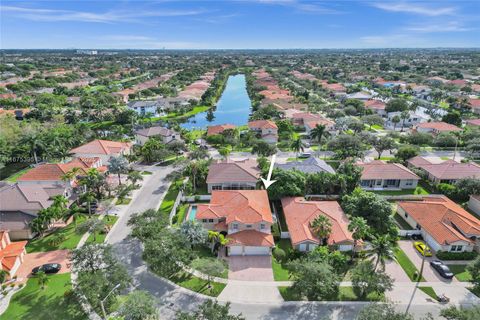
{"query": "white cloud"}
[(415, 8), (451, 26), (52, 15), (307, 6)]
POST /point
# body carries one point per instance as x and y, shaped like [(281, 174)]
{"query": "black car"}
[(47, 268), (442, 269)]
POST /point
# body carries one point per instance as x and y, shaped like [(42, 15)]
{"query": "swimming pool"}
[(192, 213)]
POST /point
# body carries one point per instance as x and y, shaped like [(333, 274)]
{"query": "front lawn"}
[(47, 243), (460, 273), (33, 303), (196, 284), (344, 294), (109, 221), (170, 197), (280, 271), (406, 264)]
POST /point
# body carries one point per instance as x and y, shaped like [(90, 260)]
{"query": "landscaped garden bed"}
[(344, 294)]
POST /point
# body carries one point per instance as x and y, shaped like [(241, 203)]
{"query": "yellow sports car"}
[(422, 248)]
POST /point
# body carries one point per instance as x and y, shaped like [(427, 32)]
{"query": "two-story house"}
[(11, 254), (166, 135), (244, 216), (267, 130), (233, 175)]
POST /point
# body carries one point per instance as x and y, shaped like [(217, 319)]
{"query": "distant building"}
[(103, 149), (155, 108), (87, 52), (166, 135), (447, 171), (266, 129), (218, 129)]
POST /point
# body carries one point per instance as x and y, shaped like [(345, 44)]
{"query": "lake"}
[(234, 106)]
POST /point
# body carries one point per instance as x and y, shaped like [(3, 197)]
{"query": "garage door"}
[(257, 251), (235, 250)]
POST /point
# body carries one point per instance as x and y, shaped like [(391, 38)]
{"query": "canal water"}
[(233, 107)]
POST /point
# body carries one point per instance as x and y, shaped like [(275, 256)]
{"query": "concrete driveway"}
[(428, 272), (250, 268), (32, 260)]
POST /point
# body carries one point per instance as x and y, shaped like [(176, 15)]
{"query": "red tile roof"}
[(439, 126), (375, 104), (10, 253), (473, 122), (441, 217), (299, 213), (246, 206), (263, 124), (448, 170), (381, 170), (229, 170), (102, 147), (55, 171), (250, 238), (475, 103), (212, 130)]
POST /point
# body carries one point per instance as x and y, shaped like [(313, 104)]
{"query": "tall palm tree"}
[(192, 170), (118, 165), (88, 197), (317, 133), (382, 249), (35, 144), (404, 115), (297, 146), (322, 227), (59, 206), (359, 228)]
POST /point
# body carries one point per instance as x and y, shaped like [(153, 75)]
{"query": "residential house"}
[(474, 203), (244, 216), (412, 120), (299, 214), (379, 175), (444, 225), (142, 107), (233, 175), (473, 122), (377, 106), (436, 127), (164, 134), (310, 165), (448, 171), (11, 254), (364, 96), (20, 204), (103, 149), (266, 129), (218, 129), (475, 105)]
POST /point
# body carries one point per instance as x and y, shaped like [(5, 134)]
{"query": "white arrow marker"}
[(269, 182)]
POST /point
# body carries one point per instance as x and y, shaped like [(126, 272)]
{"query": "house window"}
[(217, 188), (419, 227), (456, 248), (406, 215), (409, 182), (391, 182), (204, 220), (235, 226), (262, 226), (365, 183), (379, 182), (210, 220), (248, 226)]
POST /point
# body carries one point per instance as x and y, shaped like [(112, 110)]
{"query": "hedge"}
[(445, 255)]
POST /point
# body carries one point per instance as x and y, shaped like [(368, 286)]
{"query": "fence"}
[(403, 233), (175, 205), (190, 199), (284, 235)]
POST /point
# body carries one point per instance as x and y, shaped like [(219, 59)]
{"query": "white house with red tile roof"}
[(103, 149), (233, 175), (448, 171), (11, 253), (244, 216), (376, 106), (379, 175), (218, 129), (299, 214), (475, 105), (267, 130), (444, 225), (436, 127), (164, 134), (474, 203)]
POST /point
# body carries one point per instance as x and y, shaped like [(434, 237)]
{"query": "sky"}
[(247, 24)]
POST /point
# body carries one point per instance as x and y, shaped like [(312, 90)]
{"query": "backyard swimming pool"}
[(192, 213)]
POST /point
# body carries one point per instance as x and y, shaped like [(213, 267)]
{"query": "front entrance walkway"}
[(250, 268)]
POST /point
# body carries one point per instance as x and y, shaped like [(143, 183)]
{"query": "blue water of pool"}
[(192, 213)]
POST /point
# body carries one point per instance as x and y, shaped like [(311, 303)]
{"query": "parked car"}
[(442, 269), (422, 248), (47, 268)]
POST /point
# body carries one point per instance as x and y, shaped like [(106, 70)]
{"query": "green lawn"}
[(280, 272), (406, 264), (377, 127), (68, 233), (33, 303), (123, 201), (429, 291), (344, 294), (460, 273), (170, 197), (110, 221), (146, 173), (193, 283), (13, 178), (418, 190), (174, 115), (401, 222), (181, 212)]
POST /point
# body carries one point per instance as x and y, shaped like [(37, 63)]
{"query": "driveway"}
[(250, 268), (32, 260), (394, 270), (428, 272)]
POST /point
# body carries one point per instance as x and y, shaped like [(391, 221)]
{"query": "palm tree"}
[(217, 237), (192, 170), (382, 249), (317, 133), (359, 228), (118, 165), (88, 197), (297, 146), (322, 228), (404, 115), (134, 176), (42, 279), (75, 212), (59, 205), (33, 141), (225, 151), (70, 175)]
